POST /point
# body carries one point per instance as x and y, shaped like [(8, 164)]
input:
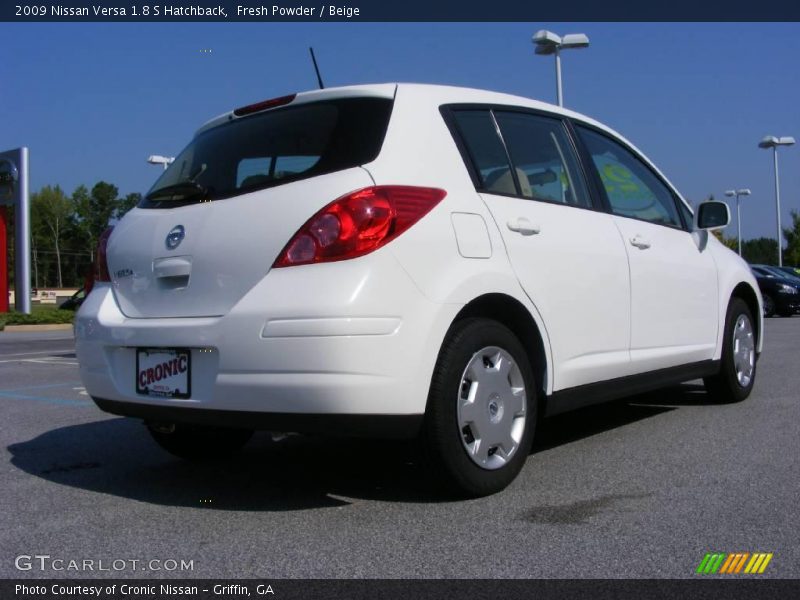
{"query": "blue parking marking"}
[(14, 394), (60, 401), (41, 387)]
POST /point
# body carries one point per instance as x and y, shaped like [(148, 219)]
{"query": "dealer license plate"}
[(163, 372)]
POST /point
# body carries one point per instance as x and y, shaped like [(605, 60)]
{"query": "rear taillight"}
[(358, 223), (100, 261)]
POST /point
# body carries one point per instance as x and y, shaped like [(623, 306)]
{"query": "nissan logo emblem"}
[(175, 237)]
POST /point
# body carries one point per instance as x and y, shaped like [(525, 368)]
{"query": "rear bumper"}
[(377, 426), (324, 342)]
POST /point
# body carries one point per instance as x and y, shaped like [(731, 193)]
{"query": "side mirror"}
[(713, 215), (9, 175)]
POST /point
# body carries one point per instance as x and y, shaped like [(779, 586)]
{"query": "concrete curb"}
[(53, 327)]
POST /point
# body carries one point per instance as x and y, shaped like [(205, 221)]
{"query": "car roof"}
[(438, 95), (435, 94)]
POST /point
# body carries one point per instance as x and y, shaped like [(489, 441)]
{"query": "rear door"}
[(567, 256), (215, 221), (674, 301)]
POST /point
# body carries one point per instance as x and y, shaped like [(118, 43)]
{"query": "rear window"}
[(272, 148)]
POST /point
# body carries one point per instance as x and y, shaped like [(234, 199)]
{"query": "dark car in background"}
[(781, 294), (794, 271), (74, 302), (780, 272)]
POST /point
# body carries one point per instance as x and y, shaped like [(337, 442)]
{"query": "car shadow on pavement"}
[(687, 394), (274, 472), (572, 426), (117, 457)]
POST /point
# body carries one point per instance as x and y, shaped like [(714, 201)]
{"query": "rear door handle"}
[(172, 266), (523, 226), (640, 242)]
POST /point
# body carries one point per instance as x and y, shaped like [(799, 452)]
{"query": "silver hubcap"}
[(744, 350), (491, 407)]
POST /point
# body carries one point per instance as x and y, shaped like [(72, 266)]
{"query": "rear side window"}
[(486, 151), (633, 190), (273, 147), (522, 154), (543, 157)]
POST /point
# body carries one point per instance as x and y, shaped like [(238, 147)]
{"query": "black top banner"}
[(405, 10)]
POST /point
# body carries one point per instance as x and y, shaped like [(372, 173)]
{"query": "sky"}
[(93, 100)]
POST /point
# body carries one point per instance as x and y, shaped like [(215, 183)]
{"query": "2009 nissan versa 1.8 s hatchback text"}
[(409, 260)]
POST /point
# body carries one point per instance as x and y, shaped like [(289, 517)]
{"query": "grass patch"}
[(40, 315)]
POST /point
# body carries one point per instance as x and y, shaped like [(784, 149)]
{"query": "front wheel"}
[(769, 306), (737, 373), (481, 408), (195, 442)]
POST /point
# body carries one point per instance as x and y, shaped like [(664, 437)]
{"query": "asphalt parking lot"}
[(642, 488)]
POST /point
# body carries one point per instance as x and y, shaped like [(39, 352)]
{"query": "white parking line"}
[(48, 361), (43, 360)]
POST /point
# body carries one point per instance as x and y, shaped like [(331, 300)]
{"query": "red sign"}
[(3, 261)]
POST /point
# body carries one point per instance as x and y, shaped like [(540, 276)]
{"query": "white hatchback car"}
[(409, 260)]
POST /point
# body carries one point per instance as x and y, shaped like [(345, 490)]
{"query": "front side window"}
[(633, 190), (273, 147), (688, 216), (543, 158)]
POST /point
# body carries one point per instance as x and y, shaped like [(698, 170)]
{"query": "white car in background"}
[(409, 260)]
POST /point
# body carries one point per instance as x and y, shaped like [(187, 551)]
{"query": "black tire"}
[(725, 386), (195, 442), (443, 435), (769, 306)]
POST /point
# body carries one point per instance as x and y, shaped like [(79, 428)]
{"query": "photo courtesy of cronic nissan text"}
[(375, 300)]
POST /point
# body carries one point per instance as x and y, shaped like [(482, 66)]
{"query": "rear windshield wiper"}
[(185, 190)]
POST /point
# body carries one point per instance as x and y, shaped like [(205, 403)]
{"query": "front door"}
[(673, 275)]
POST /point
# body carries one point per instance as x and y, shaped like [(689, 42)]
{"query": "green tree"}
[(760, 251), (94, 210), (791, 256), (731, 243), (127, 203), (51, 214)]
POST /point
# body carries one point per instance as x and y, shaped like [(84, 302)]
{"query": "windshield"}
[(272, 148)]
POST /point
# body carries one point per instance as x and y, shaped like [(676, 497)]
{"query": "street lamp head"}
[(737, 193), (771, 141), (546, 42), (157, 159), (546, 37), (575, 40)]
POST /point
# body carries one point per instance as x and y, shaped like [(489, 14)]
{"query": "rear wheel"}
[(481, 408), (737, 374), (196, 442)]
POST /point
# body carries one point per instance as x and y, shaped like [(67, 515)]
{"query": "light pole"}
[(156, 159), (548, 42), (737, 193), (773, 142)]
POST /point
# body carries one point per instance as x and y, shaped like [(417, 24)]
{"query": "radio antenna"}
[(316, 68)]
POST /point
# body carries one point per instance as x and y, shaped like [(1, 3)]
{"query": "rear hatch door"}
[(214, 223)]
